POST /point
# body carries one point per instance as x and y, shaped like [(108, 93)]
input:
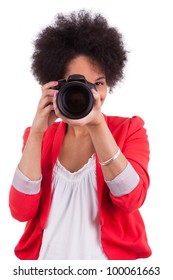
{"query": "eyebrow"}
[(100, 78)]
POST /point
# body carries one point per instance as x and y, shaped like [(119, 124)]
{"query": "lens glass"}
[(76, 99)]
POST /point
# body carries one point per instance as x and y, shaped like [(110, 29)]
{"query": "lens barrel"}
[(75, 99)]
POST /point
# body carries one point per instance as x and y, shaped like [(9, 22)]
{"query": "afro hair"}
[(79, 33)]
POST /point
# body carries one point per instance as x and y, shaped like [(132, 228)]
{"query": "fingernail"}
[(55, 82), (55, 108), (55, 94), (94, 91)]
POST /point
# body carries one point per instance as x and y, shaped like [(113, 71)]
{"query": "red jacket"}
[(123, 233)]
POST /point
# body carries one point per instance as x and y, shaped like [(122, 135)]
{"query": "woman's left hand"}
[(93, 118)]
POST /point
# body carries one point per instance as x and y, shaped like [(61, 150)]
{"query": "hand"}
[(93, 118), (45, 114)]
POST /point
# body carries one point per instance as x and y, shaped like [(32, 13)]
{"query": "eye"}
[(99, 83)]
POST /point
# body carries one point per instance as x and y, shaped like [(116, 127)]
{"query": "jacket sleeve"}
[(136, 150), (23, 206)]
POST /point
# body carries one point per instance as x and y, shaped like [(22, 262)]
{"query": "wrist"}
[(36, 133), (97, 121)]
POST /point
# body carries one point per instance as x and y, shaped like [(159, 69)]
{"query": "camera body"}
[(75, 99)]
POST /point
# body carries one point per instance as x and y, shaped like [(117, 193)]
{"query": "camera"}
[(75, 99)]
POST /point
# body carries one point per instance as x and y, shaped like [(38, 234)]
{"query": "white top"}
[(73, 228)]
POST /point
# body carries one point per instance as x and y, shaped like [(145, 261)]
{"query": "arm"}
[(30, 163), (25, 191), (24, 194), (135, 147), (106, 146), (128, 187)]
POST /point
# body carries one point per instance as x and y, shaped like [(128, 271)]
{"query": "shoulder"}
[(115, 122), (127, 129)]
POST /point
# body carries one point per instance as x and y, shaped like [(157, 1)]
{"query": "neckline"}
[(87, 166)]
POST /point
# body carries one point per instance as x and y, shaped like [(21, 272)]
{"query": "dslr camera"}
[(75, 99)]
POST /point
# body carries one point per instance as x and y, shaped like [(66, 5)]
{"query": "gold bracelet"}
[(111, 159)]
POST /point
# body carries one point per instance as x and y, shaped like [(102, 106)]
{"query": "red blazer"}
[(123, 233)]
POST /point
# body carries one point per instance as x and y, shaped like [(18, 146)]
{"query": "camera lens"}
[(75, 100)]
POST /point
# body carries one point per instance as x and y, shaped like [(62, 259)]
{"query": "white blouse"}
[(73, 228)]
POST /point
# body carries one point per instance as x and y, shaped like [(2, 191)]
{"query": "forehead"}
[(85, 66)]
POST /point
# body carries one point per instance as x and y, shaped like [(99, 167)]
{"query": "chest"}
[(75, 153)]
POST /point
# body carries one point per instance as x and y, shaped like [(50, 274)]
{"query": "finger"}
[(55, 100), (57, 112), (48, 111), (49, 92), (55, 107), (96, 96), (49, 85), (95, 93), (44, 102)]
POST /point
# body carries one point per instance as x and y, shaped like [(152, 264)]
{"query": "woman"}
[(80, 182)]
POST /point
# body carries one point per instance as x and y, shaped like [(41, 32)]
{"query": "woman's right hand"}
[(45, 115)]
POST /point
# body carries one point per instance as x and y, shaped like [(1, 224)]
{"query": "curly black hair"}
[(79, 33)]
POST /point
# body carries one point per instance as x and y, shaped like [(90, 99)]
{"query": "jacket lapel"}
[(50, 150)]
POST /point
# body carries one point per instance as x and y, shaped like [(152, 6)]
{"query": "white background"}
[(146, 91)]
